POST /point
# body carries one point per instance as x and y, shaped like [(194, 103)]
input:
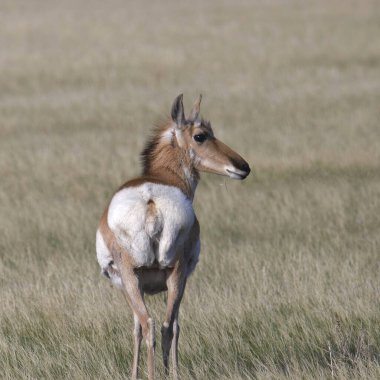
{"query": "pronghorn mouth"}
[(237, 174)]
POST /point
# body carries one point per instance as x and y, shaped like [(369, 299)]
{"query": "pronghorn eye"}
[(200, 138)]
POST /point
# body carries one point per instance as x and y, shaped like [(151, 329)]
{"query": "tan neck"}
[(172, 164)]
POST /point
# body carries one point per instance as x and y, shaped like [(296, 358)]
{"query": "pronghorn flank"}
[(148, 237)]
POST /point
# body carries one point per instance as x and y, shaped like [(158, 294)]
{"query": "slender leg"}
[(167, 336), (137, 336), (174, 347), (176, 286), (136, 301), (151, 345)]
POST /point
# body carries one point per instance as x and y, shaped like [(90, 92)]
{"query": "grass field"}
[(288, 282)]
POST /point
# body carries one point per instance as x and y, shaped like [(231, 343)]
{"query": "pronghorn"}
[(148, 237)]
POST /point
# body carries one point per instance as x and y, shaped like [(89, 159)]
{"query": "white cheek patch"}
[(150, 238)]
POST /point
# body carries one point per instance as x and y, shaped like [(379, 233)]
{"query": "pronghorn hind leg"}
[(174, 347), (176, 285), (136, 300), (137, 336)]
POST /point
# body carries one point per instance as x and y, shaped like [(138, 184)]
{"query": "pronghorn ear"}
[(196, 108), (178, 115)]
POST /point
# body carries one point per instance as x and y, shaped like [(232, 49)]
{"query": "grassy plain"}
[(288, 282)]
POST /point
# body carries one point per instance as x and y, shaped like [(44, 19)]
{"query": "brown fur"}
[(162, 162), (171, 157)]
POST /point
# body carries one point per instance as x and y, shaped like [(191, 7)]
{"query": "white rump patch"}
[(151, 237)]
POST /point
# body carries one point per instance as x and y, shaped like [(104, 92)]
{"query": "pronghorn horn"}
[(196, 108), (178, 115)]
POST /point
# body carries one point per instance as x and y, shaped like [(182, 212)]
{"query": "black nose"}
[(242, 165), (245, 167)]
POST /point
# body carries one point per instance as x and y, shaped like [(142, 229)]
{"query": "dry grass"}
[(288, 283)]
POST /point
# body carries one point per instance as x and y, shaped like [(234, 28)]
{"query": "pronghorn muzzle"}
[(238, 170), (235, 167)]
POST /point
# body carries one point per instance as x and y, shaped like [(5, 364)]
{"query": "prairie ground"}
[(288, 282)]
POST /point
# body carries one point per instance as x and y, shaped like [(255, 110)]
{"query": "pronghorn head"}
[(207, 153)]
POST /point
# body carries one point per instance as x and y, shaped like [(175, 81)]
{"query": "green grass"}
[(287, 285)]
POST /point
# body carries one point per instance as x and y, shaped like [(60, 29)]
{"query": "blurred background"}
[(288, 284)]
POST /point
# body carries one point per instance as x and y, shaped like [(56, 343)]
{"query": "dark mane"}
[(150, 146)]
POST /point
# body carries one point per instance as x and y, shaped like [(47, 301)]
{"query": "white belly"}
[(148, 238)]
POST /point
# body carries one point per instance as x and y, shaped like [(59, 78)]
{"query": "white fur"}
[(102, 252), (213, 165), (105, 259), (136, 231), (190, 178), (167, 135), (234, 173)]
